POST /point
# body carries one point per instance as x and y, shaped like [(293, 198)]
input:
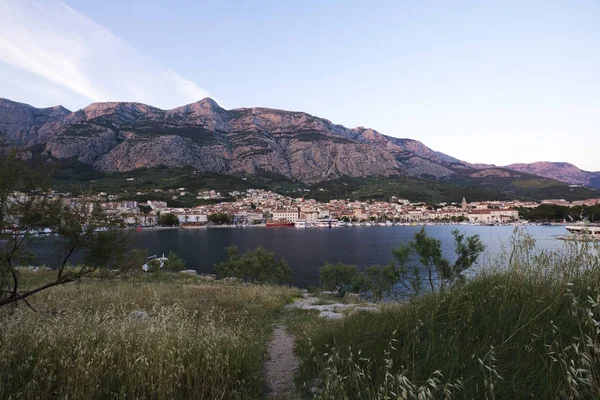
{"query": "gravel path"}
[(282, 363), (281, 366)]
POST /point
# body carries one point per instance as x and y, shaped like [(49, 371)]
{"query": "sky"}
[(494, 82)]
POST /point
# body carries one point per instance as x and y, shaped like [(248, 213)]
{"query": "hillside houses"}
[(255, 206)]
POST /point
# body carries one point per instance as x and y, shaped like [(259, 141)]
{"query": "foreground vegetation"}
[(160, 336), (527, 327)]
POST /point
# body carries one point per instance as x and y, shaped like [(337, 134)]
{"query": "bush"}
[(257, 265), (174, 264), (154, 266), (398, 278), (168, 220), (134, 260), (380, 280), (219, 218), (340, 278)]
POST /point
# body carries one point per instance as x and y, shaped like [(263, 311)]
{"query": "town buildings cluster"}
[(256, 206)]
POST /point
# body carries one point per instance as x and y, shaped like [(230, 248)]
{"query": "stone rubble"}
[(330, 311)]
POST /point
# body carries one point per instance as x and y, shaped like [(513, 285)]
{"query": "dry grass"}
[(526, 327), (162, 338)]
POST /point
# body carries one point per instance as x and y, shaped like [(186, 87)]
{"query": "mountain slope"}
[(24, 125), (125, 136), (561, 171), (121, 137)]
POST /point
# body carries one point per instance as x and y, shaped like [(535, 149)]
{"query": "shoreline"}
[(355, 225)]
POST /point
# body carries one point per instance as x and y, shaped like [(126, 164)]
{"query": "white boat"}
[(300, 223), (584, 230), (146, 267), (328, 223)]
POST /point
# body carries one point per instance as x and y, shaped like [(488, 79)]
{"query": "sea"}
[(307, 249)]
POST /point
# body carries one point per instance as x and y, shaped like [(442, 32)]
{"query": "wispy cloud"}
[(52, 41)]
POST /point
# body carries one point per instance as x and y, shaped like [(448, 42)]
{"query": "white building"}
[(493, 216), (192, 218), (157, 205), (285, 215)]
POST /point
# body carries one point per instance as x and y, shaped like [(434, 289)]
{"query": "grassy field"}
[(136, 338), (526, 328)]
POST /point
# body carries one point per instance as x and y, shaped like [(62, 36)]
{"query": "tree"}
[(440, 272), (340, 278), (25, 208), (134, 260), (403, 277), (174, 263), (168, 219), (257, 265), (219, 218), (380, 280), (144, 209)]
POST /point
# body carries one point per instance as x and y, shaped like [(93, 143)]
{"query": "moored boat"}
[(300, 223), (272, 223), (584, 230), (328, 223)]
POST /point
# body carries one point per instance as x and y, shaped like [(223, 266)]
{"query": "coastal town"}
[(258, 207)]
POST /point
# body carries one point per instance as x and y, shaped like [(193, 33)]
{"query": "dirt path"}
[(281, 366)]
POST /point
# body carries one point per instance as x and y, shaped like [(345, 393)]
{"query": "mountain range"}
[(123, 136)]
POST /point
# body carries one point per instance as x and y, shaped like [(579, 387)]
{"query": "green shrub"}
[(174, 264), (340, 278), (219, 218), (168, 220), (154, 266), (257, 265), (399, 279), (134, 260), (380, 280)]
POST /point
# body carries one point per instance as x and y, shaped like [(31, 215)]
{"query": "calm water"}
[(307, 249)]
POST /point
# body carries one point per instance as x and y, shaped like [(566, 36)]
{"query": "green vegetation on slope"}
[(432, 191), (72, 176), (551, 212)]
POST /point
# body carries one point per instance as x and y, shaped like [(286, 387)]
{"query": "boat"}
[(327, 223), (161, 260), (300, 223), (584, 230), (276, 224)]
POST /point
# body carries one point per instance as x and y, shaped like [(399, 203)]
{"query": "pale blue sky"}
[(484, 81)]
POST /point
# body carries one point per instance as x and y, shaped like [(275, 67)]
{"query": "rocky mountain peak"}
[(25, 125), (122, 136), (121, 109)]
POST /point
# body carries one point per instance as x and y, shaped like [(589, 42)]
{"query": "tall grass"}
[(526, 326), (161, 338)]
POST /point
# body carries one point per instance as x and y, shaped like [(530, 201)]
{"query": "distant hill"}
[(561, 171), (121, 137)]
